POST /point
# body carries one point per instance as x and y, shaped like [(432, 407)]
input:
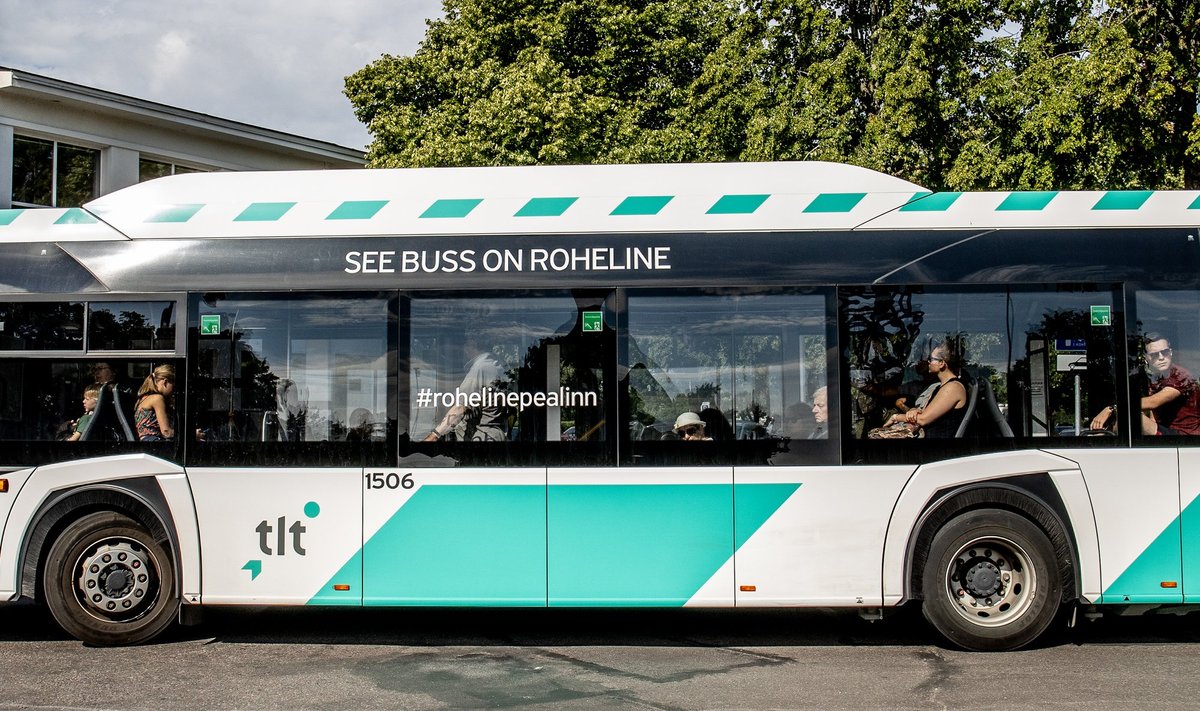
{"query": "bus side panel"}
[(1189, 501), (812, 536), (178, 492), (8, 566), (931, 478), (640, 536), (455, 536), (1135, 496), (279, 536), (43, 481)]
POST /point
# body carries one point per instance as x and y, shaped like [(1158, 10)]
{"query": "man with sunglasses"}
[(1172, 405)]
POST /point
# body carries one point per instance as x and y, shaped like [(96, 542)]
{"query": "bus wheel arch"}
[(993, 566)]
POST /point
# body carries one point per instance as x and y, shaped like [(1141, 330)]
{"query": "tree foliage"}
[(952, 94)]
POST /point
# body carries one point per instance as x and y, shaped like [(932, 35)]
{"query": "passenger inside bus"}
[(690, 428), (948, 405), (1172, 405), (820, 411), (482, 423), (91, 394), (154, 414)]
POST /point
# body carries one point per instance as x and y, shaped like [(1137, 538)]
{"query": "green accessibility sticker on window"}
[(210, 325), (1101, 315), (593, 321)]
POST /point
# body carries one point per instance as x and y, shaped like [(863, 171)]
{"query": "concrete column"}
[(6, 166), (118, 169)]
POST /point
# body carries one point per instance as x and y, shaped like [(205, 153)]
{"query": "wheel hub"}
[(115, 578), (990, 581), (982, 579)]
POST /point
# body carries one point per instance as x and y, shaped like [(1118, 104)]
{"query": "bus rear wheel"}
[(109, 582), (990, 582)]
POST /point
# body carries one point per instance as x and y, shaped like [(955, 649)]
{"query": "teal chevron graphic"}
[(460, 545), (255, 568), (610, 545), (1141, 581)]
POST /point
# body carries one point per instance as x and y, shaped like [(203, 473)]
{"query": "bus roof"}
[(531, 200)]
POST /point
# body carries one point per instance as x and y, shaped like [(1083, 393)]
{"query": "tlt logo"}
[(281, 529), (280, 533)]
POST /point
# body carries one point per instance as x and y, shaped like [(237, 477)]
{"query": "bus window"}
[(131, 325), (1165, 355), (1015, 363), (290, 379), (496, 380), (751, 366), (28, 326), (45, 415)]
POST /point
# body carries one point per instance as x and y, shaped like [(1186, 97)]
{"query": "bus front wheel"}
[(990, 582), (109, 582)]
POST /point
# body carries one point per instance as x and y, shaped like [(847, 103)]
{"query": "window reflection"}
[(507, 371), (292, 370), (751, 366), (131, 325)]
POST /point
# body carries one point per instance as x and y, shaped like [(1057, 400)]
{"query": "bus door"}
[(497, 387)]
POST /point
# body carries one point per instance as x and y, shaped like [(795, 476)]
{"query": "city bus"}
[(600, 386)]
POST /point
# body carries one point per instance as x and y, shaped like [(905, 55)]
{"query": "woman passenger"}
[(944, 413), (153, 416)]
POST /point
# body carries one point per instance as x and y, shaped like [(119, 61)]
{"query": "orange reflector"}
[(341, 588), (1169, 584), (748, 588), (3, 486)]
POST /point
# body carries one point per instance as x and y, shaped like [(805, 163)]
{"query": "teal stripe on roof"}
[(264, 211), (546, 207), (1123, 200), (642, 205), (1032, 200), (737, 204), (356, 210), (835, 202), (451, 208), (1195, 204), (76, 216), (7, 216), (933, 202), (175, 213)]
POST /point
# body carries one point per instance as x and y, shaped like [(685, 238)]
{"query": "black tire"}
[(990, 581), (108, 582)]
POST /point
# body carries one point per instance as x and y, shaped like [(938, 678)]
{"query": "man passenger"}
[(1172, 406)]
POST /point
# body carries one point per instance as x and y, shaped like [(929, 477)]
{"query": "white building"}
[(62, 144)]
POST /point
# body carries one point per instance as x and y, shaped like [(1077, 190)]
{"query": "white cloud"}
[(274, 63)]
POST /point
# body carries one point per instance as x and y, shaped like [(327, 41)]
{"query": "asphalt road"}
[(610, 659)]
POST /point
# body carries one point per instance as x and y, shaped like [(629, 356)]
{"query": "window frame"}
[(54, 163)]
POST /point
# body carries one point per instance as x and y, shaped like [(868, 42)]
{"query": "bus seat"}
[(990, 411), (123, 411), (103, 425), (969, 415)]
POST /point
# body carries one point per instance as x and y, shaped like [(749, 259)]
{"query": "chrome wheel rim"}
[(990, 581), (117, 579)]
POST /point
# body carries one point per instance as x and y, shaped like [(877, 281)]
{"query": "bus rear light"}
[(341, 588), (1169, 584), (748, 588)]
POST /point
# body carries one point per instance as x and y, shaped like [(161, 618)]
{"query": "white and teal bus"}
[(462, 387)]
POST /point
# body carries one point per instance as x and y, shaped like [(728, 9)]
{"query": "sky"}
[(279, 64)]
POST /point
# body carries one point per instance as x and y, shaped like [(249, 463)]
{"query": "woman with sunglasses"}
[(1173, 403), (947, 405)]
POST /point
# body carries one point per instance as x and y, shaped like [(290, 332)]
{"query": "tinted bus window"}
[(131, 325), (1014, 363), (1165, 358), (288, 379), (509, 380), (751, 368), (41, 326)]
